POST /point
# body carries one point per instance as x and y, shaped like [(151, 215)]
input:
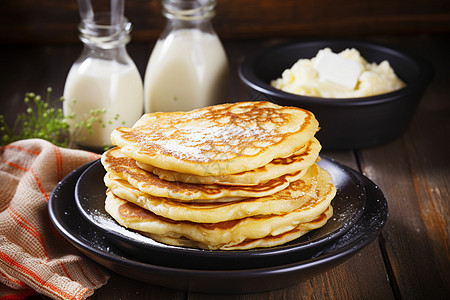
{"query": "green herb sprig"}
[(42, 120)]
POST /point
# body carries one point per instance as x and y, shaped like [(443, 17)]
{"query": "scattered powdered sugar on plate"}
[(110, 226)]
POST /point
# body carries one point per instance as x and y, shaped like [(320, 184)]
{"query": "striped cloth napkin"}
[(34, 257)]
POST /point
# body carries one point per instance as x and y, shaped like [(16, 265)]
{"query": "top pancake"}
[(217, 140)]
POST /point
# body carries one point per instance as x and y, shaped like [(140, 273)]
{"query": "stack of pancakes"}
[(230, 176)]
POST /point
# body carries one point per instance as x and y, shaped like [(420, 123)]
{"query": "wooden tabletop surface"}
[(411, 257)]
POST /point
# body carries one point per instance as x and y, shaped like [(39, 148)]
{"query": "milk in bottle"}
[(103, 78), (188, 67)]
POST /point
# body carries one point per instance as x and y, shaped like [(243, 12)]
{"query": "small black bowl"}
[(346, 123)]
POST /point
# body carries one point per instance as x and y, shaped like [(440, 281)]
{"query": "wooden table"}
[(411, 257)]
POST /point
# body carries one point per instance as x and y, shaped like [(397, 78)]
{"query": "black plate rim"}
[(206, 259), (222, 281)]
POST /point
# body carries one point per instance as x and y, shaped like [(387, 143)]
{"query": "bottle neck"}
[(188, 14), (100, 33), (189, 10)]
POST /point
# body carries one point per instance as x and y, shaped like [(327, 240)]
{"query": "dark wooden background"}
[(410, 260), (55, 21)]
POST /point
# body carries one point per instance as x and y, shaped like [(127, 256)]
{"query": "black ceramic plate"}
[(348, 206), (94, 244)]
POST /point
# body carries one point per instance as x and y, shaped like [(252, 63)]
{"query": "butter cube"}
[(338, 69)]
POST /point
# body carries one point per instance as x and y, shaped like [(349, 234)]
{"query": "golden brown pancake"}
[(265, 242), (126, 168), (223, 234), (284, 201), (233, 176), (217, 140), (302, 159)]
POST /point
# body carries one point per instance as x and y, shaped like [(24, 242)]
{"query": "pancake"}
[(285, 237), (289, 199), (217, 140), (265, 242), (126, 168), (232, 177), (300, 160), (223, 234)]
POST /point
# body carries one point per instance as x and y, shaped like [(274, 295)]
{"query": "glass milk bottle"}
[(103, 78), (188, 67)]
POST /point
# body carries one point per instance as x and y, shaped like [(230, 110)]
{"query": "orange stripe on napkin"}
[(40, 185), (30, 274), (14, 165), (13, 280), (35, 278), (21, 149), (99, 273), (33, 256), (59, 169), (34, 175), (65, 270), (28, 227)]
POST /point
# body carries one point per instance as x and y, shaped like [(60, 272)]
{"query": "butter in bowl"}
[(365, 94)]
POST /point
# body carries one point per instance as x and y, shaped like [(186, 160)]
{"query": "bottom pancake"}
[(265, 242), (228, 234)]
